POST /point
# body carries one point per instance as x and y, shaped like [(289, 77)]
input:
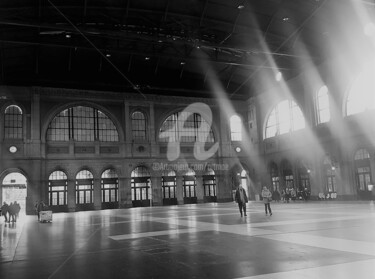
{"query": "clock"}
[(12, 149), (238, 149)]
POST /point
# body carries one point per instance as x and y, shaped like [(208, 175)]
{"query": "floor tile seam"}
[(311, 272), (342, 245), (72, 254)]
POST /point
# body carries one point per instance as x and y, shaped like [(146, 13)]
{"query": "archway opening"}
[(14, 189)]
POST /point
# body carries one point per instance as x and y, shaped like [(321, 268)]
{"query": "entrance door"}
[(14, 189)]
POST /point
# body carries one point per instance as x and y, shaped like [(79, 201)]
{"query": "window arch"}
[(84, 190), (189, 187), (322, 105), (57, 189), (168, 182), (141, 187), (195, 128), (362, 169), (81, 123), (13, 122), (209, 186), (109, 188), (235, 128), (284, 118), (139, 126)]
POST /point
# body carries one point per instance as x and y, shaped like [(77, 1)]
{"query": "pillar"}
[(199, 188), (71, 195), (97, 194), (179, 190)]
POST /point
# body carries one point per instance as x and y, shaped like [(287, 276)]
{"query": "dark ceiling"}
[(165, 47)]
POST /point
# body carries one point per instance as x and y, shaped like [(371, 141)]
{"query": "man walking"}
[(241, 199)]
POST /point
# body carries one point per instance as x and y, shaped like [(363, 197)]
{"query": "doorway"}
[(14, 189)]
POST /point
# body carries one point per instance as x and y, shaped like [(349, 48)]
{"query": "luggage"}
[(45, 216)]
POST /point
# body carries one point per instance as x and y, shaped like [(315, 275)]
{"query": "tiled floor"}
[(323, 240)]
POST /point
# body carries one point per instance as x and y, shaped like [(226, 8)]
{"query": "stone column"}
[(179, 190), (71, 195), (199, 188), (97, 194), (156, 190)]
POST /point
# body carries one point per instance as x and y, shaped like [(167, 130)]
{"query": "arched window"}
[(195, 128), (82, 123), (330, 172), (235, 128), (209, 185), (109, 187), (275, 177), (168, 182), (363, 169), (57, 189), (189, 187), (139, 127), (322, 105), (84, 190), (141, 187), (13, 122), (361, 96), (284, 118)]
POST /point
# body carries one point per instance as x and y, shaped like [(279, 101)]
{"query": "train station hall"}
[(187, 139)]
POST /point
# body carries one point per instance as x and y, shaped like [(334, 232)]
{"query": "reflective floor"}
[(300, 240)]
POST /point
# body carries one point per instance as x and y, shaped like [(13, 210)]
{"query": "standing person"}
[(241, 199), (40, 208), (267, 197), (17, 207), (4, 211)]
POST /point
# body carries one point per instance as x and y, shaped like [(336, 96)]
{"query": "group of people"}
[(241, 199), (10, 211)]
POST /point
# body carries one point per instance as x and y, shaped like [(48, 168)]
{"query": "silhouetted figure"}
[(241, 199), (4, 211), (12, 212), (40, 207), (17, 208)]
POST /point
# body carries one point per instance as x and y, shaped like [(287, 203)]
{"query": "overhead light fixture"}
[(147, 58), (241, 6), (108, 55), (68, 36), (285, 18), (182, 63)]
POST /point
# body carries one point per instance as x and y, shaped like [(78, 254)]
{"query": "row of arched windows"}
[(141, 194), (362, 171), (81, 123)]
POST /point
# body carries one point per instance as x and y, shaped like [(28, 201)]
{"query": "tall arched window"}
[(82, 123), (209, 186), (109, 187), (139, 127), (330, 172), (275, 177), (13, 124), (141, 187), (84, 190), (195, 128), (284, 118), (57, 189), (363, 169), (168, 182), (189, 187), (235, 128), (322, 105)]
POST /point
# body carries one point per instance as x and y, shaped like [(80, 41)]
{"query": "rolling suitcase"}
[(45, 216)]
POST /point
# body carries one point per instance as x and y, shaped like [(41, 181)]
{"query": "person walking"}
[(267, 197), (241, 199), (4, 211)]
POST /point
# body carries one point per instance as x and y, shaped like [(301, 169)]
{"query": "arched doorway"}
[(14, 189)]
